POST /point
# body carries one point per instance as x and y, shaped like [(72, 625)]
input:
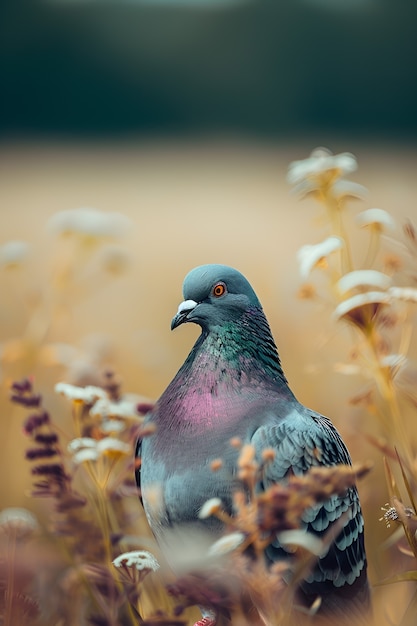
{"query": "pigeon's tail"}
[(350, 604)]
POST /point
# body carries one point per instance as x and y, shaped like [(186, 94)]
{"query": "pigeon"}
[(232, 385)]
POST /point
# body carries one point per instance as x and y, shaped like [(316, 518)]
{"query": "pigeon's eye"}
[(218, 290)]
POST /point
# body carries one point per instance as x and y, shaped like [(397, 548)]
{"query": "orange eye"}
[(219, 289)]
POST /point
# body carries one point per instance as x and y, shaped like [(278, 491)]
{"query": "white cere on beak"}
[(187, 305)]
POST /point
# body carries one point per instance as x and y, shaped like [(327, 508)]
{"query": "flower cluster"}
[(368, 294), (92, 520)]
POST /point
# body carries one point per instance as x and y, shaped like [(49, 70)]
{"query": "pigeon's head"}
[(214, 295)]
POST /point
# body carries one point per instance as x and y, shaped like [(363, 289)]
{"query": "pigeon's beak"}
[(184, 310)]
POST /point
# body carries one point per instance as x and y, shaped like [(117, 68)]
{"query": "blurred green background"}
[(263, 67)]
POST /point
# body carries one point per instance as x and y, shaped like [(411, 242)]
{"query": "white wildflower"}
[(310, 255), (139, 559), (89, 222), (111, 444), (88, 395), (363, 278), (360, 300), (18, 518), (321, 161), (226, 544), (376, 218), (13, 253), (107, 408), (209, 508)]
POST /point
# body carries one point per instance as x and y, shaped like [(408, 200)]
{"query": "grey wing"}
[(302, 440)]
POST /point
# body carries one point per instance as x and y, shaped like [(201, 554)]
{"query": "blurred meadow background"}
[(178, 120)]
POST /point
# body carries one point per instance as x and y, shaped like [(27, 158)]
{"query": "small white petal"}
[(347, 188), (210, 507), (226, 544), (309, 255), (140, 559), (363, 278), (81, 442), (404, 293), (300, 538), (370, 297), (106, 408), (112, 426), (88, 395), (84, 455), (378, 217), (111, 444)]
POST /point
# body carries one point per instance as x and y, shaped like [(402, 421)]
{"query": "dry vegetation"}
[(95, 294)]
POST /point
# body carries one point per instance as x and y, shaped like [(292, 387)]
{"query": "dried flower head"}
[(137, 559)]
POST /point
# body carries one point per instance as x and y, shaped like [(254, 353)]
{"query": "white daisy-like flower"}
[(138, 559), (209, 508), (309, 256), (89, 222), (379, 219), (363, 278), (13, 253), (226, 544), (321, 161), (355, 302), (88, 395)]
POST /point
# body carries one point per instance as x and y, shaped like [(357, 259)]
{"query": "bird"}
[(232, 385)]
